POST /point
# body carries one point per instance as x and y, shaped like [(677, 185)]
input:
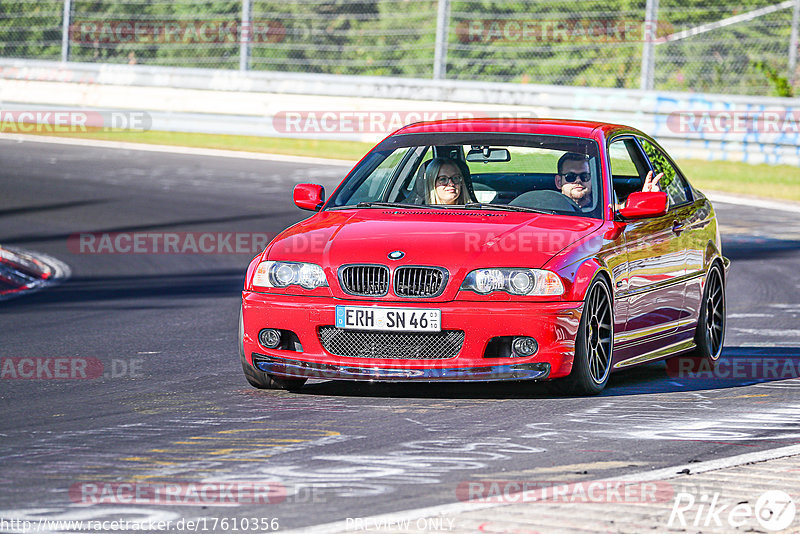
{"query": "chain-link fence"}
[(722, 46), (728, 47), (31, 29)]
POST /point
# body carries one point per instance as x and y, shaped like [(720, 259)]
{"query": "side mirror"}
[(309, 196), (642, 205)]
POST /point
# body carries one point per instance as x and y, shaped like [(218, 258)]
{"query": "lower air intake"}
[(399, 345)]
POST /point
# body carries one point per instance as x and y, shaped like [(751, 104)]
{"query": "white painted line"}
[(642, 476), (768, 332), (727, 198), (214, 152)]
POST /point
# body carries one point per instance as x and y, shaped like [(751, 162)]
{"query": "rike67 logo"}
[(773, 510)]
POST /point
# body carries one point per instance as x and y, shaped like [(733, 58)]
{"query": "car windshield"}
[(519, 172)]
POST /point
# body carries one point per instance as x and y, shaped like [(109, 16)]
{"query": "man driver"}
[(575, 181)]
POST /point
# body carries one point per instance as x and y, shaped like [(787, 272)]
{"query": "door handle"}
[(677, 227)]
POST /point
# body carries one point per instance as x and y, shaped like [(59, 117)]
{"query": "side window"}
[(411, 172), (672, 182), (370, 189), (628, 167)]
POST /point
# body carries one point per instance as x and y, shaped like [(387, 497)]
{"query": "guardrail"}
[(713, 127)]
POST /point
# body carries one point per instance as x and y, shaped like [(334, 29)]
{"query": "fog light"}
[(524, 346), (269, 337)]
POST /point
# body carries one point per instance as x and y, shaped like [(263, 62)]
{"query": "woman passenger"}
[(445, 182)]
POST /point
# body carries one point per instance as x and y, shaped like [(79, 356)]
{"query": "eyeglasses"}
[(573, 176), (457, 179)]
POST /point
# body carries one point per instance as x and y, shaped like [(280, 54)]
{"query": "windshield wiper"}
[(392, 205), (375, 205), (384, 205), (506, 207)]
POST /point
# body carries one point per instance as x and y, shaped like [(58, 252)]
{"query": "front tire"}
[(594, 344), (258, 378)]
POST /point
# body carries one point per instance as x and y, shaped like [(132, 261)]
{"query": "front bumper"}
[(289, 368), (553, 324)]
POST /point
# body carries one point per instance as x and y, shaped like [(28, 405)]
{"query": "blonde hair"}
[(432, 172)]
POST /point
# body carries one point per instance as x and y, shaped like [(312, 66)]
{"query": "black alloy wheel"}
[(711, 327), (594, 344)]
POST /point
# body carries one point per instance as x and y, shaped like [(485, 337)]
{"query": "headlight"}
[(285, 273), (514, 281)]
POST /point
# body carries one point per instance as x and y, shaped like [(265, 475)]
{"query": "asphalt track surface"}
[(171, 404)]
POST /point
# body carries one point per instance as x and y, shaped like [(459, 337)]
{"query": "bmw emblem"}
[(396, 254)]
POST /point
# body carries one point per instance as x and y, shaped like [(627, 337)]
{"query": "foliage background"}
[(397, 38)]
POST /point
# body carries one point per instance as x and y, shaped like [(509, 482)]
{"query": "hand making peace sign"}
[(650, 183)]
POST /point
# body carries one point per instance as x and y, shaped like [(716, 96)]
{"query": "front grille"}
[(419, 281), (365, 280), (401, 345)]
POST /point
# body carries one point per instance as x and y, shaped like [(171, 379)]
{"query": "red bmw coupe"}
[(491, 249)]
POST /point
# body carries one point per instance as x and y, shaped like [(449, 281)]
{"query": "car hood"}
[(451, 238)]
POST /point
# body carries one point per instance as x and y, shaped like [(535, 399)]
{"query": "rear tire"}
[(258, 378), (710, 333), (594, 344)]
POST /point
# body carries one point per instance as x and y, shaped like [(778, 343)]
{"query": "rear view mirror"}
[(309, 196), (486, 154), (641, 205)]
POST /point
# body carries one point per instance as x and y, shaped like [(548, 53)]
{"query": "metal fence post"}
[(65, 30), (442, 32), (245, 33), (793, 43), (648, 49)]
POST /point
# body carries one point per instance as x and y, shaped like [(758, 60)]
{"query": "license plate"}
[(392, 319)]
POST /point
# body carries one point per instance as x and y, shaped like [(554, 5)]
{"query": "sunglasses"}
[(573, 176), (444, 180)]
